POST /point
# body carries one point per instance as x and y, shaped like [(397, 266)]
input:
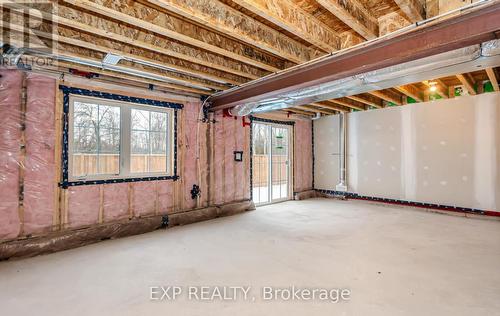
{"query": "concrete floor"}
[(395, 261)]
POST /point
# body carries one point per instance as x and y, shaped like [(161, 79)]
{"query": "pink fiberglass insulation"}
[(190, 148), (204, 168), (83, 205), (239, 169), (218, 162), (115, 201), (303, 156), (144, 198), (246, 164), (166, 196), (10, 132), (230, 182), (229, 175), (39, 177)]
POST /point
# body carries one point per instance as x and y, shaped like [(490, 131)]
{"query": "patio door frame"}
[(289, 125)]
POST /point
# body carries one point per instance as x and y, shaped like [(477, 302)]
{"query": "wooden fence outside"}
[(260, 170), (110, 163)]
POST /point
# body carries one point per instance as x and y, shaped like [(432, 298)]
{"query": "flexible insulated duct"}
[(462, 60), (96, 64)]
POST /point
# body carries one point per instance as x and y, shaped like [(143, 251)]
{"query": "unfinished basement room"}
[(250, 157)]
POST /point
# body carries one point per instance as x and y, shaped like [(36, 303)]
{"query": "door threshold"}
[(275, 202)]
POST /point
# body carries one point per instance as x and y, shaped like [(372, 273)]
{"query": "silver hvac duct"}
[(101, 65), (155, 65), (120, 69), (12, 53), (243, 109), (462, 60), (363, 44)]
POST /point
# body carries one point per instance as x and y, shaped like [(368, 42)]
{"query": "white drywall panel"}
[(326, 151), (442, 152)]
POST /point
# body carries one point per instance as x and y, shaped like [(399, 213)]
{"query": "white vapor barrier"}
[(327, 152), (443, 152)]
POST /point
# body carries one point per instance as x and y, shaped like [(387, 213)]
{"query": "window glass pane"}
[(84, 151), (84, 158), (158, 143), (158, 121), (140, 120), (148, 141), (96, 139), (109, 141), (109, 116), (109, 163), (139, 151), (140, 142), (84, 140), (109, 151), (158, 157), (85, 114)]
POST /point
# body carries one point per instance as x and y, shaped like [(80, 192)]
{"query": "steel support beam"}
[(472, 27)]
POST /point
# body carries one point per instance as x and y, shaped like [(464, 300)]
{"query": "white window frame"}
[(125, 139)]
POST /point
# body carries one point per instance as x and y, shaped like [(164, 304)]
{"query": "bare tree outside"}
[(96, 139), (148, 141)]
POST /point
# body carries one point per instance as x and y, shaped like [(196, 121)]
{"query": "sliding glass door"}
[(270, 163)]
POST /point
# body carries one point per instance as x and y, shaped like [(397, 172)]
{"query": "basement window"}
[(110, 139)]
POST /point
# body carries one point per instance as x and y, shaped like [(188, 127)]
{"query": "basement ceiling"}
[(205, 43), (201, 47)]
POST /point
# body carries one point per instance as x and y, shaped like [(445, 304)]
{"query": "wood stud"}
[(493, 78)]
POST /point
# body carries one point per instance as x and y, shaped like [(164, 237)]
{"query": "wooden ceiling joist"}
[(170, 27), (109, 73), (305, 108), (221, 17), (295, 20), (355, 15), (62, 65), (330, 106), (410, 91), (86, 58), (414, 9), (350, 104), (78, 56), (318, 109), (86, 46), (98, 48), (114, 32), (493, 78), (297, 111), (370, 101), (384, 95), (467, 83)]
